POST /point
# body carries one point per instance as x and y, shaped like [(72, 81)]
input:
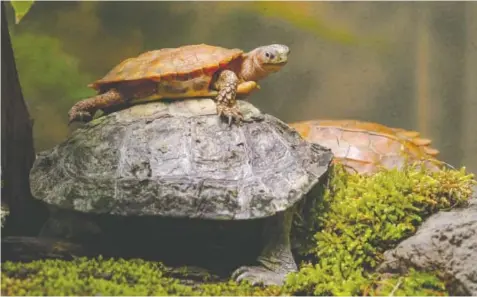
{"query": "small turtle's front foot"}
[(227, 84), (258, 275), (79, 116), (231, 113)]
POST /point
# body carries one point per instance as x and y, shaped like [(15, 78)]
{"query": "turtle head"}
[(265, 60), (273, 57)]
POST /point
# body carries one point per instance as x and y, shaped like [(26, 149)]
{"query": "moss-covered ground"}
[(358, 219)]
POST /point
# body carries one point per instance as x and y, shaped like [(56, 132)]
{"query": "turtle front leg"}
[(69, 225), (276, 258), (245, 88), (227, 84), (84, 110)]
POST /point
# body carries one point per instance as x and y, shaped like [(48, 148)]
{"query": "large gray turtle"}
[(178, 160)]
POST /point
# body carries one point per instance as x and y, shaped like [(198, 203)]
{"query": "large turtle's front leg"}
[(276, 258), (227, 84), (69, 225), (84, 110)]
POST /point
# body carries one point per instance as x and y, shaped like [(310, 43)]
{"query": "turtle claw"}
[(81, 116), (257, 275), (230, 113)]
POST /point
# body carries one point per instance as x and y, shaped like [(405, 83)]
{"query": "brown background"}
[(404, 64)]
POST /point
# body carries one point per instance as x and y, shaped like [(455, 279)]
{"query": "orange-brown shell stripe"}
[(304, 129), (364, 145), (181, 64)]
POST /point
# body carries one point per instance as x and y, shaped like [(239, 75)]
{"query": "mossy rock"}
[(362, 217), (340, 245)]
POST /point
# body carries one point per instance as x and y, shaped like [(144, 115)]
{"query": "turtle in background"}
[(175, 166), (365, 147), (185, 72)]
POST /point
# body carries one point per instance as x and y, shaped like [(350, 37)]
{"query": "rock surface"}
[(447, 243), (178, 159)]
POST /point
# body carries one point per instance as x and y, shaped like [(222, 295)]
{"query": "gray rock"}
[(446, 243)]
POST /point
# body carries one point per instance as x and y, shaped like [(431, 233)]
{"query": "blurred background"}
[(403, 64)]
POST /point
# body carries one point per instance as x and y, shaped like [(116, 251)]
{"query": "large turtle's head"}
[(265, 60)]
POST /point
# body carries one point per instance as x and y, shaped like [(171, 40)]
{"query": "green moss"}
[(109, 277), (362, 216), (359, 218), (414, 283)]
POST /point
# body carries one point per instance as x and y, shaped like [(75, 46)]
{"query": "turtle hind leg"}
[(84, 110), (276, 258), (227, 84)]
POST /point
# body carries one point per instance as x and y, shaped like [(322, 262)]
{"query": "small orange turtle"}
[(364, 147), (189, 71)]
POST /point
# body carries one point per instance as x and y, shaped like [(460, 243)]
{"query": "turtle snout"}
[(286, 50), (282, 52)]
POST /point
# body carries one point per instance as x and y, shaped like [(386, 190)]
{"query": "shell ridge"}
[(263, 179), (38, 185), (249, 167), (201, 201), (317, 180), (168, 63), (121, 161), (191, 169), (280, 139)]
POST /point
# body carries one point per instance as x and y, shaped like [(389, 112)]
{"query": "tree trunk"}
[(18, 154)]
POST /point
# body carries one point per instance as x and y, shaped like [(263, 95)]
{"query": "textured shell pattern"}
[(173, 64), (180, 160), (364, 147)]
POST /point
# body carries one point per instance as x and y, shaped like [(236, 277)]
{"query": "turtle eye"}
[(269, 55)]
